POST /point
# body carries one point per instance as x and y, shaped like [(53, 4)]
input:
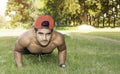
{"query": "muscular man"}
[(43, 39)]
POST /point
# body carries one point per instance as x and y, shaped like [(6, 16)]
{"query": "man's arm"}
[(62, 55), (18, 58), (22, 42), (19, 46)]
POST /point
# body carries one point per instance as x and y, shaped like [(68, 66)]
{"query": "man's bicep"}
[(18, 46), (62, 47), (21, 43), (62, 44)]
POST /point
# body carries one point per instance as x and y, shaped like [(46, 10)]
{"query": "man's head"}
[(41, 19), (43, 27)]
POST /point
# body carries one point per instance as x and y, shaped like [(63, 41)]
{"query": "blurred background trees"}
[(99, 13)]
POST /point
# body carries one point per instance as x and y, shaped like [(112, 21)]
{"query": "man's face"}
[(44, 36)]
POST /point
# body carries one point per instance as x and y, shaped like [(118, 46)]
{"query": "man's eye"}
[(40, 33), (48, 33)]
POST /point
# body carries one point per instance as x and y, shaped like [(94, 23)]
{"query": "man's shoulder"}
[(58, 34), (26, 37), (58, 38)]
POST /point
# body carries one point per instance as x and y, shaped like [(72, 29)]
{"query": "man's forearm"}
[(18, 58), (62, 57)]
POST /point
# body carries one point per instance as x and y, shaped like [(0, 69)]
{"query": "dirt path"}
[(11, 32)]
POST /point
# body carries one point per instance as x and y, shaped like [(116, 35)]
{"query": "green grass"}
[(65, 28), (113, 35), (86, 54)]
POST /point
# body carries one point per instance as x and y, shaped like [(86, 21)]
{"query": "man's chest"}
[(35, 48)]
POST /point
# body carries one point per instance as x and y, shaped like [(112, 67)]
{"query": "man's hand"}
[(62, 65)]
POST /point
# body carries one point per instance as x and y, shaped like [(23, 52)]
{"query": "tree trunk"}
[(84, 18), (19, 1)]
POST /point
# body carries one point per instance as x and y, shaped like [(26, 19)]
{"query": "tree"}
[(65, 12), (19, 11)]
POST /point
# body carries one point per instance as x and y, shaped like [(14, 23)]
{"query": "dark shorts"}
[(26, 51)]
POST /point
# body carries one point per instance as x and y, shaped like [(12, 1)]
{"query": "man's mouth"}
[(44, 43)]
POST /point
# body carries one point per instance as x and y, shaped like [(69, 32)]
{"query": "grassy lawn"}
[(89, 53), (113, 35)]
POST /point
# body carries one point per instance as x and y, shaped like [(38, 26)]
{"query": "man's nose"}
[(44, 37)]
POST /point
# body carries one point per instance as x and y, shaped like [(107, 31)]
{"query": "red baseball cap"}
[(41, 19)]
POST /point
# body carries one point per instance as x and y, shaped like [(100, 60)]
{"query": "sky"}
[(3, 4)]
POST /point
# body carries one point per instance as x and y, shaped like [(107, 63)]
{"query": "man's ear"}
[(35, 29)]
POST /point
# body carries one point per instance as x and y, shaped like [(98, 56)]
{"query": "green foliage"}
[(94, 7), (71, 6), (19, 11), (65, 12)]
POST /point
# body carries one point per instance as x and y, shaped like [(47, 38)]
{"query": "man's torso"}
[(35, 47)]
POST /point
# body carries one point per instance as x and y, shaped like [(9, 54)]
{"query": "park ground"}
[(80, 29), (89, 51)]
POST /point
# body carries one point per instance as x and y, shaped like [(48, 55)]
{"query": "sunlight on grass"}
[(88, 28)]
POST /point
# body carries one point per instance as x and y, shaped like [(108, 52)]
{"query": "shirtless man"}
[(43, 39)]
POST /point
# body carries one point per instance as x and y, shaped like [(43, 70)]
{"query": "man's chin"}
[(44, 45)]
